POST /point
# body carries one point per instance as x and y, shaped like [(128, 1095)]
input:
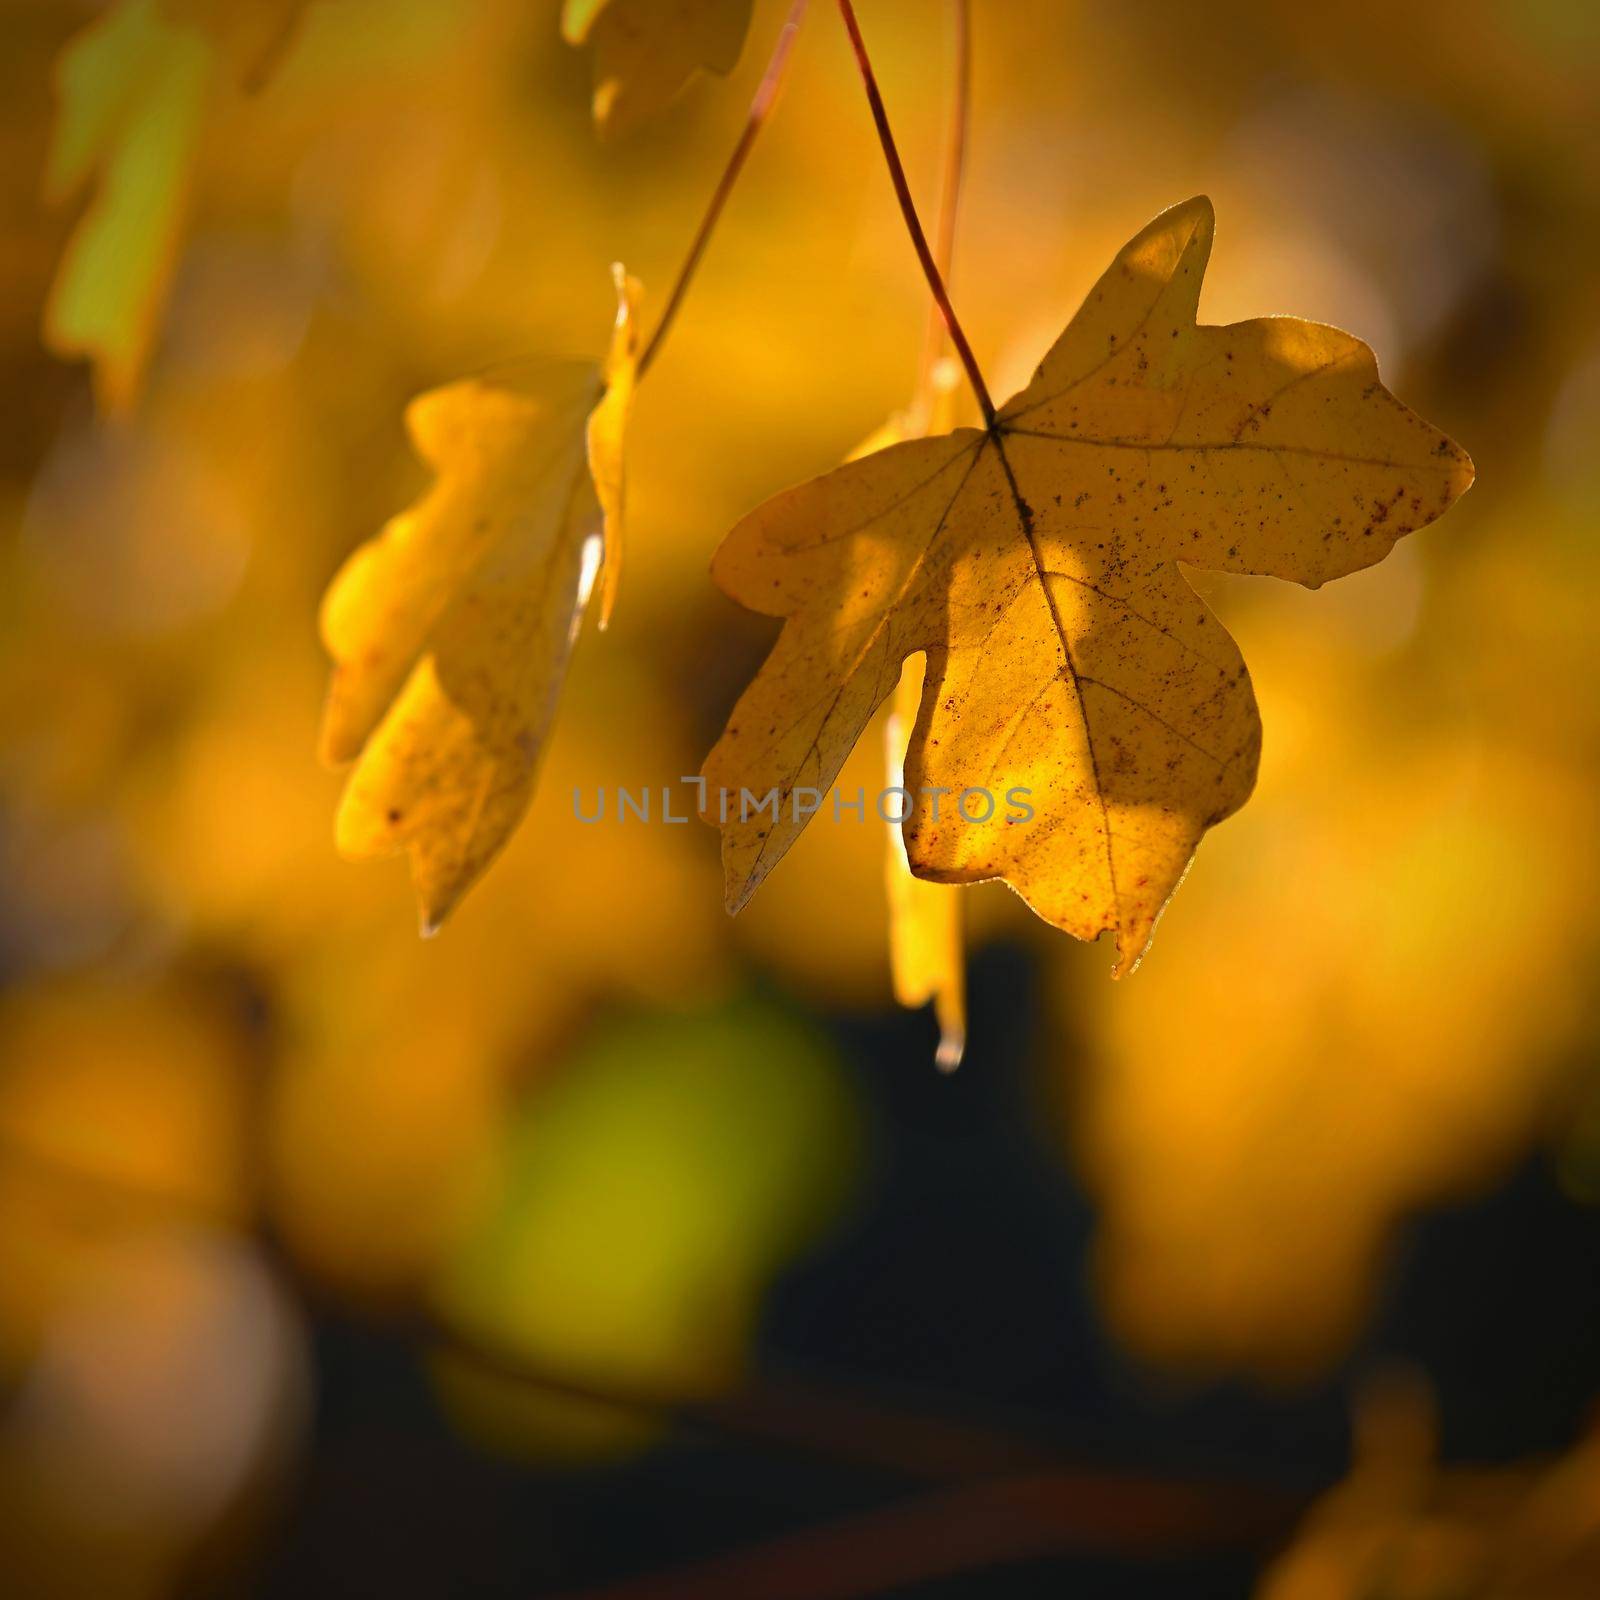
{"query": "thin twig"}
[(965, 1529), (1002, 1498), (820, 1419), (897, 174), (953, 167), (766, 97)]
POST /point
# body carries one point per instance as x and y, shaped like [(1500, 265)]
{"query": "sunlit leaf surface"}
[(451, 631), (1036, 564)]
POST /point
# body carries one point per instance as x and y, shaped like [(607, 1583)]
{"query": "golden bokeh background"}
[(594, 1121)]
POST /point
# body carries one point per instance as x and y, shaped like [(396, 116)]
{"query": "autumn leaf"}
[(927, 961), (645, 51), (135, 88), (926, 958), (1035, 562), (452, 629)]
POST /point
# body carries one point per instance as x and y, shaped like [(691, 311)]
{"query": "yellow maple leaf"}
[(134, 89), (645, 51), (1035, 562), (452, 629)]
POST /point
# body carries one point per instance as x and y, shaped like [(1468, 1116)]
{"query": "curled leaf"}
[(926, 957), (451, 631), (1036, 563), (925, 949), (606, 431), (645, 51)]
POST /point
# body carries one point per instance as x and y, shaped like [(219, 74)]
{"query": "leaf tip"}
[(737, 890), (336, 746), (609, 122), (952, 1046), (1197, 210), (629, 291), (1129, 953), (577, 17)]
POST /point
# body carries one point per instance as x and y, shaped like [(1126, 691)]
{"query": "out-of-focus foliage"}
[(133, 92), (154, 1363), (1399, 1046), (204, 999), (252, 35), (643, 1206), (645, 51), (1401, 1527), (157, 1416), (1035, 563), (136, 1086), (135, 89), (451, 631)]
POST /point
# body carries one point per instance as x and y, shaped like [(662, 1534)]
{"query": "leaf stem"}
[(766, 96), (954, 164), (897, 174)]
